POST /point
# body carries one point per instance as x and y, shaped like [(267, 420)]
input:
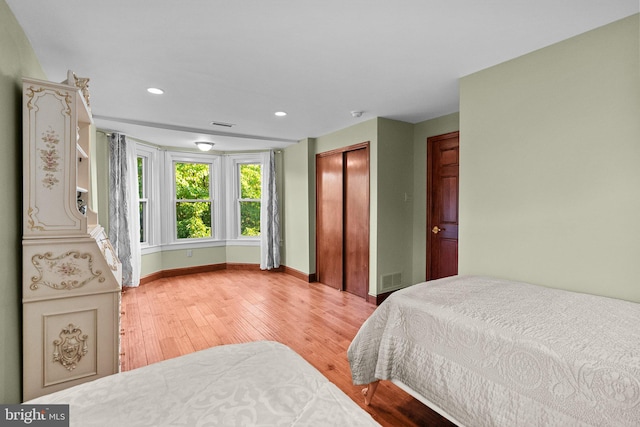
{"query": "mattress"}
[(260, 383), (492, 352)]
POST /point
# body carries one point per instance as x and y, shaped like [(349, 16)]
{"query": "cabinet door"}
[(68, 341), (50, 160)]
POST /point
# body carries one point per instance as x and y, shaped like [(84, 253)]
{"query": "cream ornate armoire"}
[(71, 276)]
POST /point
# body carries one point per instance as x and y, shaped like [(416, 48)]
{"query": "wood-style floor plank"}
[(174, 316)]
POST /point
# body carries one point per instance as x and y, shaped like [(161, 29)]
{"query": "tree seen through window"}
[(249, 200), (142, 198), (193, 200)]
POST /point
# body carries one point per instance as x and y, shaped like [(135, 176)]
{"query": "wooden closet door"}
[(356, 222), (329, 219), (342, 219)]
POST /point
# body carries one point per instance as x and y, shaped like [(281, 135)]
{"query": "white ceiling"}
[(240, 61)]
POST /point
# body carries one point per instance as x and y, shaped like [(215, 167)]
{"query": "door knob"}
[(436, 229)]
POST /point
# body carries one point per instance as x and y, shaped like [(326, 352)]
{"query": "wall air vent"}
[(223, 124), (391, 281)]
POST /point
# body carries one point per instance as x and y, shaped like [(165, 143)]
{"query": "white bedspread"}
[(254, 384), (497, 353)]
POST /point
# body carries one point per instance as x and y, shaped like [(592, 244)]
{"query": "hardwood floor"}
[(174, 316)]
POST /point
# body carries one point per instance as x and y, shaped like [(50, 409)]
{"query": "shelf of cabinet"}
[(81, 153)]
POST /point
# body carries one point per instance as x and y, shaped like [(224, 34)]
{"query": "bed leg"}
[(369, 391)]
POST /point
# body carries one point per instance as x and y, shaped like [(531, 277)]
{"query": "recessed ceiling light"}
[(155, 91), (280, 113)]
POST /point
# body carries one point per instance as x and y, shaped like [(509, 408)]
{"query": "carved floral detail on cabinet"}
[(69, 349), (31, 92), (83, 84), (50, 157), (69, 271), (32, 222), (109, 254)]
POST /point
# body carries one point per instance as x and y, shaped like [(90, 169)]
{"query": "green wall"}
[(151, 263), (17, 60), (297, 218), (394, 204), (550, 165)]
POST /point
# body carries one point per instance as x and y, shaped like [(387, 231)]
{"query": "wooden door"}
[(442, 205), (342, 219), (329, 219), (356, 222)]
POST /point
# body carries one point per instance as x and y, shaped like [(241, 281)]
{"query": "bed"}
[(261, 383), (488, 352)]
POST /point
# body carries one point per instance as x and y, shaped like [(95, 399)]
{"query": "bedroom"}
[(572, 105)]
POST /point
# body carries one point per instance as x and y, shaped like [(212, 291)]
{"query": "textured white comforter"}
[(254, 384), (496, 353)]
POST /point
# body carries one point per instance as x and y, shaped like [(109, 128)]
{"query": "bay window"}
[(197, 200)]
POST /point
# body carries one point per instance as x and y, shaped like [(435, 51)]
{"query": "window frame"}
[(215, 174), (151, 173), (143, 183), (233, 194), (225, 185)]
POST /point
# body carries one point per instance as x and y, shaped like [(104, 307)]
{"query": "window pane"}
[(250, 181), (143, 222), (142, 192), (141, 177), (250, 191), (192, 181), (250, 218), (193, 219)]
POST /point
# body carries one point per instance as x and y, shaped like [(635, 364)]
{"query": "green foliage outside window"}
[(140, 176), (193, 203), (142, 205), (143, 214), (250, 193)]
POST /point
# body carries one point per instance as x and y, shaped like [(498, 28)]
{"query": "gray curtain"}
[(124, 219), (269, 215)]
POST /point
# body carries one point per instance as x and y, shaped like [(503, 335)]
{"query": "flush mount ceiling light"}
[(280, 113), (155, 91), (204, 145)]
